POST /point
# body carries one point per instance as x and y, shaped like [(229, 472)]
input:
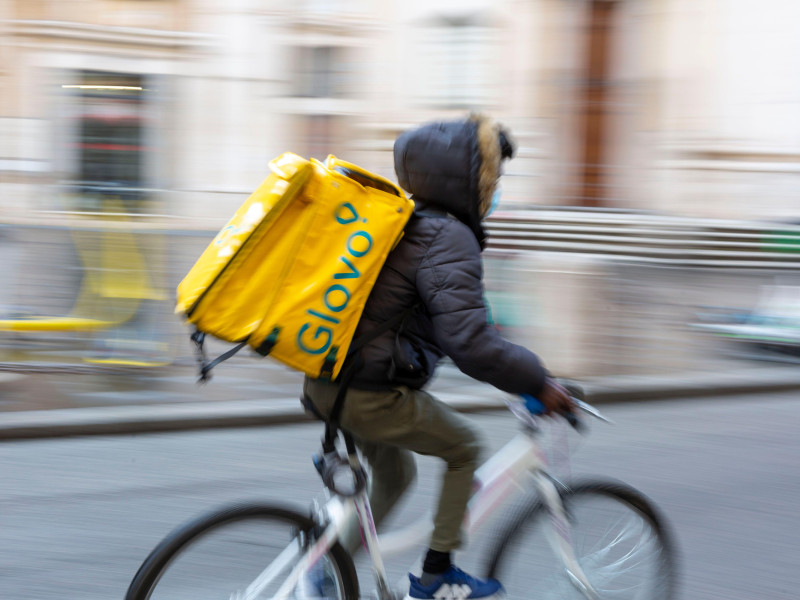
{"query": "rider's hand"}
[(555, 398)]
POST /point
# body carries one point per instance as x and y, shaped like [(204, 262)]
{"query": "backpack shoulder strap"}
[(349, 369)]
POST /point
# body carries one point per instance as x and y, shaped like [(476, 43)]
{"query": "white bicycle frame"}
[(515, 467)]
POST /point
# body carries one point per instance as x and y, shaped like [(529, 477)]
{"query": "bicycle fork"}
[(558, 534)]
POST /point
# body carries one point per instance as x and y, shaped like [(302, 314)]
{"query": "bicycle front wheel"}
[(619, 540), (220, 555)]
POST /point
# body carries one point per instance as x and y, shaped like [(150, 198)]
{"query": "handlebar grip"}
[(535, 407), (533, 404)]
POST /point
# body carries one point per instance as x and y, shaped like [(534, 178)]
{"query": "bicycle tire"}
[(614, 580), (182, 540)]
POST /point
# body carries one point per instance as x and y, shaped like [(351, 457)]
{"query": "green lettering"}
[(321, 332), (343, 219), (336, 307), (353, 274)]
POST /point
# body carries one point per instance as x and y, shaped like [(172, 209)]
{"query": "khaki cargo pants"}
[(387, 426)]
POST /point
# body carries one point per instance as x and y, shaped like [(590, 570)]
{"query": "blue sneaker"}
[(454, 584), (317, 583)]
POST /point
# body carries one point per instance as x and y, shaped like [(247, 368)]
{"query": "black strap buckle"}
[(198, 337), (326, 372), (269, 342)]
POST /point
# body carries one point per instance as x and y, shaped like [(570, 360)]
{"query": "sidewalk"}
[(464, 394)]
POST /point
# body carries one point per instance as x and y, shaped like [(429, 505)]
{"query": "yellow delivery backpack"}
[(291, 271)]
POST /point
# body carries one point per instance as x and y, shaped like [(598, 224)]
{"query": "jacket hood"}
[(453, 166)]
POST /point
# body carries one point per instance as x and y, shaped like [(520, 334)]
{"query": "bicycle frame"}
[(517, 466)]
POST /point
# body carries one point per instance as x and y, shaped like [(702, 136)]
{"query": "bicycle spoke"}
[(626, 562), (626, 527), (602, 554)]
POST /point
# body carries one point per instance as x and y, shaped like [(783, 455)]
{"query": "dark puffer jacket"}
[(451, 169)]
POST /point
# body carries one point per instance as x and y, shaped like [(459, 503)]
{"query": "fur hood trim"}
[(488, 134)]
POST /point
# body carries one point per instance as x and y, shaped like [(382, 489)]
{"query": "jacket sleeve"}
[(450, 283)]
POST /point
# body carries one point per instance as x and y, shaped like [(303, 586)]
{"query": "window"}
[(108, 136), (110, 151), (459, 65)]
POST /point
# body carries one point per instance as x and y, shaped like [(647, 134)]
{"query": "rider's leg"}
[(416, 421)]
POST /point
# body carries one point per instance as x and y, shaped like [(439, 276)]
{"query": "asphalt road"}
[(78, 515)]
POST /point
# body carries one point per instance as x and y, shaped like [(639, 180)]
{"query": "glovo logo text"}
[(316, 335)]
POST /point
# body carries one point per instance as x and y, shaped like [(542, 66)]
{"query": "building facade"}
[(175, 107)]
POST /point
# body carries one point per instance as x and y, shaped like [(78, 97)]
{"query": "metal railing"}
[(648, 238)]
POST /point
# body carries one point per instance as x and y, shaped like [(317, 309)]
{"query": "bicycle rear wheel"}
[(619, 540), (218, 555)]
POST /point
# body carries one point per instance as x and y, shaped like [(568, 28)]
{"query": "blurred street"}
[(646, 243), (587, 314), (77, 516)]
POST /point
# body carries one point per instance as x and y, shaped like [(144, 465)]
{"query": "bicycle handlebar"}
[(536, 408), (588, 408)]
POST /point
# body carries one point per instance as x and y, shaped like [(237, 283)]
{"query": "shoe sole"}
[(496, 596)]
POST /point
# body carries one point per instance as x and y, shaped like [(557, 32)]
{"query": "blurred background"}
[(649, 231), (649, 223)]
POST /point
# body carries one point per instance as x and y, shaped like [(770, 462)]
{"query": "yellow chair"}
[(125, 284), (115, 281), (116, 284)]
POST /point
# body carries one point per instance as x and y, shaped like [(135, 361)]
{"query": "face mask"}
[(498, 192)]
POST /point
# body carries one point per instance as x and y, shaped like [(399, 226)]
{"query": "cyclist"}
[(452, 170)]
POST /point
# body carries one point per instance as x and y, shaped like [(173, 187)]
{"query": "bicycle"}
[(608, 540)]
